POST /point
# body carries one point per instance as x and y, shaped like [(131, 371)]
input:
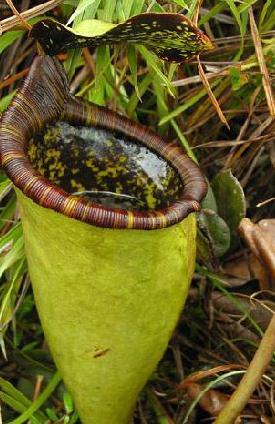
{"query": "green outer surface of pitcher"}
[(108, 301)]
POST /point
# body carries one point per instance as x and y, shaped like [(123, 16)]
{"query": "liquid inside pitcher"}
[(105, 167)]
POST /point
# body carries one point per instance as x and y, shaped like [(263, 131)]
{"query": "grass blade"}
[(260, 55), (56, 379)]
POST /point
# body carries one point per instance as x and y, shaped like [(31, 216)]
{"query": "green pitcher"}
[(107, 212)]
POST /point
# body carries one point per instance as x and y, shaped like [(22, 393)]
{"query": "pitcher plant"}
[(107, 208)]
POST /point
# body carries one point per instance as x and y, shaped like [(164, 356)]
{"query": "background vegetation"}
[(222, 112)]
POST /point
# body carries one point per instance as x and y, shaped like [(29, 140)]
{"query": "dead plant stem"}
[(23, 22), (11, 22), (251, 379)]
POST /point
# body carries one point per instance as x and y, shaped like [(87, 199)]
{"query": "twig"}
[(259, 244), (7, 82), (237, 38), (24, 23), (260, 55), (38, 386), (197, 79), (11, 22), (196, 12), (265, 202), (211, 94), (231, 143), (13, 78), (199, 375), (251, 378)]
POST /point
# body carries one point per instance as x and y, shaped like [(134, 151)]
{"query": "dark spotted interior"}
[(105, 167)]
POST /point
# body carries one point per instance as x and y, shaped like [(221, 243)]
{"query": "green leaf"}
[(127, 6), (218, 8), (235, 12), (264, 12), (82, 5), (103, 70), (161, 100), (71, 2), (132, 60), (5, 187), (51, 414), (16, 253), (8, 38), (157, 8), (182, 3), (7, 212), (209, 202), (93, 28), (137, 7), (237, 79), (5, 101), (152, 64), (244, 5), (108, 11), (215, 233), (230, 199), (74, 418), (13, 234), (183, 141), (68, 402), (15, 405), (27, 414), (171, 36), (181, 108), (73, 61), (268, 24), (192, 7), (10, 291), (134, 99), (74, 56), (10, 390), (18, 401)]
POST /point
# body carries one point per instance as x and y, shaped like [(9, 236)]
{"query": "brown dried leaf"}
[(261, 240), (246, 268), (212, 401), (257, 271), (261, 312), (238, 268), (199, 375)]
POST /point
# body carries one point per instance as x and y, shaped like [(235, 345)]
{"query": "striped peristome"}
[(45, 98)]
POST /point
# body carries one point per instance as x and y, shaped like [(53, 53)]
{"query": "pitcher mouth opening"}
[(90, 163), (105, 167)]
